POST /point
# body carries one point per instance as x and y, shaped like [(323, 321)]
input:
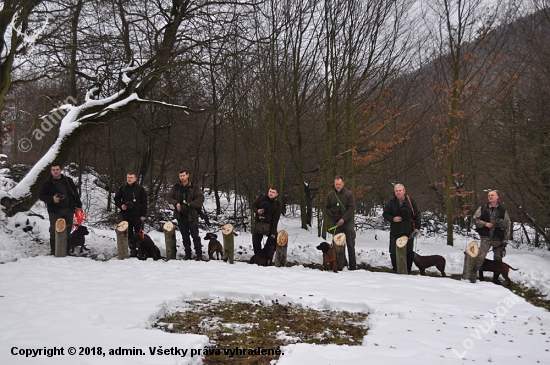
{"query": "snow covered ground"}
[(97, 301)]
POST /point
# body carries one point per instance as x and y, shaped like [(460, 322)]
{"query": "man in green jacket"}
[(340, 209)]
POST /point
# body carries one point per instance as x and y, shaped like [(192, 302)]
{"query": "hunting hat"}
[(404, 212)]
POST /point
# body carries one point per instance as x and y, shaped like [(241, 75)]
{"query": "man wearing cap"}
[(340, 209), (131, 198), (404, 217)]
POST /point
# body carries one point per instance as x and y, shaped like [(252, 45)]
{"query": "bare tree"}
[(175, 38)]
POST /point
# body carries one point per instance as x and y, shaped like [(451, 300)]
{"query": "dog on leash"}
[(496, 266), (423, 262), (145, 247), (214, 246), (329, 256), (78, 238), (265, 257)]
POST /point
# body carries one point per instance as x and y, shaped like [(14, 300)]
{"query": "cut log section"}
[(122, 240), (470, 257), (60, 238), (281, 249), (170, 240), (228, 243), (472, 249), (340, 248), (401, 254)]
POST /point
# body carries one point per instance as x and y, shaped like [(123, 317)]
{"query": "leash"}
[(332, 229), (499, 246), (339, 202), (141, 225)]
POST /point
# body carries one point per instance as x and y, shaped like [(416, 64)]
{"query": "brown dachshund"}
[(329, 256), (423, 262), (496, 266), (78, 239), (214, 246), (265, 257), (145, 247)]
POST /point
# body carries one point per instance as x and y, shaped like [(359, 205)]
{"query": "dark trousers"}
[(67, 214), (257, 242), (134, 225), (190, 228), (348, 229), (393, 252)]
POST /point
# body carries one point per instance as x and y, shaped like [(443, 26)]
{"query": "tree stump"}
[(170, 240), (228, 243), (122, 240), (60, 238), (340, 248), (281, 249), (401, 254), (470, 254)]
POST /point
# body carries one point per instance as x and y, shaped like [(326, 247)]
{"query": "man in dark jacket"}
[(493, 225), (404, 218), (268, 211), (187, 198), (60, 194), (340, 209), (131, 198)]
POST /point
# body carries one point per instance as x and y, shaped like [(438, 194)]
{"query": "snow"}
[(48, 302)]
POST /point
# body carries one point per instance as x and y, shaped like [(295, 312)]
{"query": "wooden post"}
[(340, 248), (60, 238), (281, 249), (122, 240), (228, 243), (170, 240), (470, 254), (401, 254)]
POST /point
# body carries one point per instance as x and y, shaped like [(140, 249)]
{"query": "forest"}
[(448, 97)]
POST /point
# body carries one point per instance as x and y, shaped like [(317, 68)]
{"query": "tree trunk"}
[(281, 249), (170, 240), (470, 254), (401, 255), (60, 238), (122, 240), (228, 243), (340, 248)]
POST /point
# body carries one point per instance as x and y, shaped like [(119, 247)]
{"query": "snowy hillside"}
[(98, 301)]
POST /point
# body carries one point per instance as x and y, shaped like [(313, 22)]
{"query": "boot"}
[(199, 256), (188, 256), (393, 263), (495, 278)]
